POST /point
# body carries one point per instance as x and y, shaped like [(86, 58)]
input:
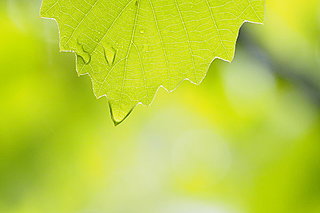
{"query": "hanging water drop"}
[(118, 116), (142, 31)]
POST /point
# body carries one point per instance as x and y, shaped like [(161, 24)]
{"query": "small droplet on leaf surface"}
[(109, 54), (86, 59), (145, 48), (82, 53)]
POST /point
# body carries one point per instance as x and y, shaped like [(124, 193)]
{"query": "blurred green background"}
[(247, 140)]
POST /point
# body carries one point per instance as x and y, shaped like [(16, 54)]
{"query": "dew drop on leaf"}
[(119, 116), (109, 54), (86, 59), (145, 48), (82, 53)]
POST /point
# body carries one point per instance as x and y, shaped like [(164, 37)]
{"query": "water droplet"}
[(109, 54), (142, 31), (145, 48), (118, 116), (82, 53), (86, 59)]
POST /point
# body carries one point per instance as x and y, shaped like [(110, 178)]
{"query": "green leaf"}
[(132, 47)]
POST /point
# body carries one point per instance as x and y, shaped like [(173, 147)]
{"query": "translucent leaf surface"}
[(132, 47)]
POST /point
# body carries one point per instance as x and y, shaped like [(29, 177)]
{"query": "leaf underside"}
[(132, 47)]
